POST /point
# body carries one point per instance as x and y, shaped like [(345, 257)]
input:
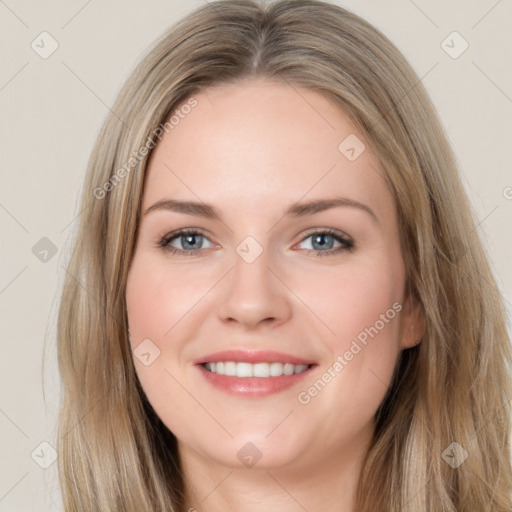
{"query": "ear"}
[(412, 323)]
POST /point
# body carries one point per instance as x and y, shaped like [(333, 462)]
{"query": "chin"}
[(249, 451)]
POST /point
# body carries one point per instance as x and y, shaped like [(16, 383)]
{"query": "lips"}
[(253, 373)]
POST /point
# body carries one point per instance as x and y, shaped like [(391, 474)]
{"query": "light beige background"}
[(51, 111)]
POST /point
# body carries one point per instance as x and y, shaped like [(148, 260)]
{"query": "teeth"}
[(260, 370), (263, 370), (230, 368), (244, 369)]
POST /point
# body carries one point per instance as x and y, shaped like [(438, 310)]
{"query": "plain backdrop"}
[(52, 109)]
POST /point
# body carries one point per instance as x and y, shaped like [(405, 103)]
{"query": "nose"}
[(254, 294)]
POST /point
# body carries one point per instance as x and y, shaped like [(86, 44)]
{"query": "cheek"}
[(146, 305), (157, 298), (355, 300), (362, 307), (155, 302)]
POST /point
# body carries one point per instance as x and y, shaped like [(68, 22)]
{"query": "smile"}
[(260, 370), (247, 373)]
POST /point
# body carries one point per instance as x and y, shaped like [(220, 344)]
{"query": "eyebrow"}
[(295, 210)]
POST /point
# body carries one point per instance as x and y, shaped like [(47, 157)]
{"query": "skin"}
[(251, 150)]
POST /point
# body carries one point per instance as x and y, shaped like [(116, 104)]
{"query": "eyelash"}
[(346, 244)]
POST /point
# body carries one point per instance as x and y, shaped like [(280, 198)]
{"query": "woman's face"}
[(291, 258)]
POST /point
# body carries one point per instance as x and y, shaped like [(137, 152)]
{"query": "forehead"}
[(258, 140)]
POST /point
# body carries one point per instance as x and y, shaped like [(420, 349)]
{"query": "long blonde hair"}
[(454, 387)]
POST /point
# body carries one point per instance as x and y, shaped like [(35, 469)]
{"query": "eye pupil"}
[(320, 240), (190, 240)]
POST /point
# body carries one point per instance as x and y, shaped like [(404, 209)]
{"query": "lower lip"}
[(254, 387)]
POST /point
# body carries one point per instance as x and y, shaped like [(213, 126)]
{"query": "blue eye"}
[(322, 243), (191, 241)]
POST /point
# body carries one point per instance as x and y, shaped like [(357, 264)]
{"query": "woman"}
[(211, 360)]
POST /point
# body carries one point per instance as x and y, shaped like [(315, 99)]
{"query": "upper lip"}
[(252, 356)]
